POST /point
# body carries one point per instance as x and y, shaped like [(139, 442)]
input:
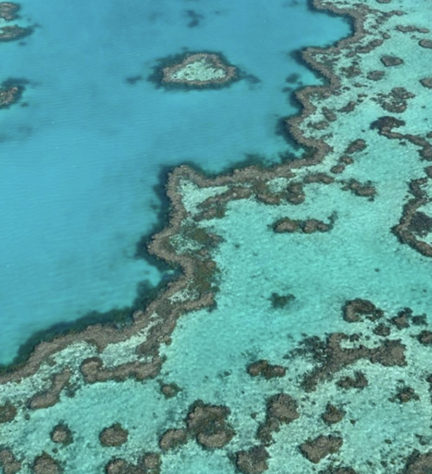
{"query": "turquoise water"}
[(81, 161)]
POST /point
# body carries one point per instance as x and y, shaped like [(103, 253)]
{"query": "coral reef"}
[(10, 93), (316, 449), (8, 10), (114, 435), (369, 344), (195, 70), (61, 434), (266, 370)]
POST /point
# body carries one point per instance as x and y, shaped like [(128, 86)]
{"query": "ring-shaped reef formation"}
[(366, 362), (195, 70)]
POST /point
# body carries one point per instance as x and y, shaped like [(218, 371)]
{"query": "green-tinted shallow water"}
[(386, 416)]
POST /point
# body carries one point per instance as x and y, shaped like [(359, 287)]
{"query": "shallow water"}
[(81, 161)]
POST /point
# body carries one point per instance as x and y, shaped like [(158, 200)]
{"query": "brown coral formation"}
[(281, 409), (50, 396), (204, 422), (149, 463), (93, 371), (404, 395), (207, 423), (8, 462), (173, 438), (10, 93), (169, 390), (61, 434), (262, 368), (281, 301), (359, 381), (333, 414), (332, 358), (418, 463), (114, 435), (14, 32), (317, 449), (45, 464), (396, 101), (390, 61), (253, 460), (307, 226), (7, 412), (425, 43), (404, 230), (426, 82), (360, 189), (356, 310), (8, 10)]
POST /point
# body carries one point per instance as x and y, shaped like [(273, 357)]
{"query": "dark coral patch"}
[(8, 462), (208, 424), (360, 189), (45, 464), (390, 61), (264, 369), (332, 414), (425, 338), (375, 75), (61, 434), (420, 224), (7, 412), (356, 146), (425, 43), (173, 438), (149, 463), (306, 226), (114, 435), (281, 301), (169, 390), (8, 10), (426, 82), (405, 394), (252, 461), (14, 32), (10, 92), (280, 409), (418, 463), (316, 449), (355, 310), (358, 381)]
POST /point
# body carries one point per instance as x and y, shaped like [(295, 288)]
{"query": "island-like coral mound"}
[(196, 70), (10, 93)]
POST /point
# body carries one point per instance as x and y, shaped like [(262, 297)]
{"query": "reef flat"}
[(297, 337)]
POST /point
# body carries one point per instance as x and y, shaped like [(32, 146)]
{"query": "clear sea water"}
[(81, 162)]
